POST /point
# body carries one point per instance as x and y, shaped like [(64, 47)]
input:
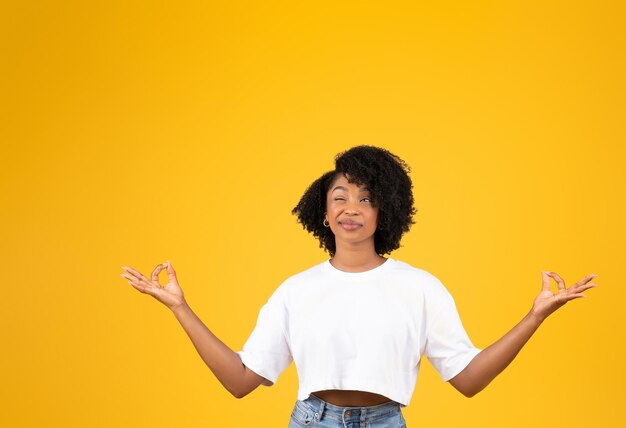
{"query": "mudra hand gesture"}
[(547, 301), (171, 295)]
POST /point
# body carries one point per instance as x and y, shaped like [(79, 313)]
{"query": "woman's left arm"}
[(492, 360)]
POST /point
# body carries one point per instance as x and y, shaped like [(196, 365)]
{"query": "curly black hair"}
[(386, 176)]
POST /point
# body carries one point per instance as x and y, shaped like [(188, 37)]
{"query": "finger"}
[(127, 276), (558, 279), (582, 287), (138, 287), (136, 280), (135, 273), (171, 273), (586, 279), (142, 288), (545, 281), (573, 296), (155, 272)]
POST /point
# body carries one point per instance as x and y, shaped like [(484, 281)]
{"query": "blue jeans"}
[(317, 413)]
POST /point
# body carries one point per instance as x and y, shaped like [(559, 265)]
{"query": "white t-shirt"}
[(361, 331)]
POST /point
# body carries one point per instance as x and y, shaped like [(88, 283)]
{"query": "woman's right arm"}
[(223, 361)]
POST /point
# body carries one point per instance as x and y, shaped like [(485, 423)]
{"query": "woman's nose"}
[(352, 206)]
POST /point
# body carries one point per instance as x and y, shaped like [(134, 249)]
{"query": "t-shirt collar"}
[(380, 268)]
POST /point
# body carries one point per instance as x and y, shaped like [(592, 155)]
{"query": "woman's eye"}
[(364, 199)]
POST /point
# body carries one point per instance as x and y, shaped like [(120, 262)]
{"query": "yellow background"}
[(136, 132)]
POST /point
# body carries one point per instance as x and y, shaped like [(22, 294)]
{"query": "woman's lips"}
[(350, 226)]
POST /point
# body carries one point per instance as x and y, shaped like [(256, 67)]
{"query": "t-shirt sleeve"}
[(448, 347), (267, 351)]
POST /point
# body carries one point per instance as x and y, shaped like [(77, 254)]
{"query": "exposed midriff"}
[(350, 398)]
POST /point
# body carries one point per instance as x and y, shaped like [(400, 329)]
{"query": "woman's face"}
[(350, 213)]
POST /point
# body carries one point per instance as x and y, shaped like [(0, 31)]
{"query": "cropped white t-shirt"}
[(361, 331)]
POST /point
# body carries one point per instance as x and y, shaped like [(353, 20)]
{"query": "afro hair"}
[(386, 176)]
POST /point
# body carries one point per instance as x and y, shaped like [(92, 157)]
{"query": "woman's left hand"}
[(547, 302)]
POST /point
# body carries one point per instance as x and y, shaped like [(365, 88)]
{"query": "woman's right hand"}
[(171, 295)]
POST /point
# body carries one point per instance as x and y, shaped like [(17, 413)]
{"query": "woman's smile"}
[(348, 225)]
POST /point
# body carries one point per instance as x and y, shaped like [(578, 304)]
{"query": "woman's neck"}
[(356, 261)]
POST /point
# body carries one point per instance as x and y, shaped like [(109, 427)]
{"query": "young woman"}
[(357, 324)]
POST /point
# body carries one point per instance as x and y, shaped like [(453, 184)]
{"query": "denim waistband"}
[(340, 413)]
